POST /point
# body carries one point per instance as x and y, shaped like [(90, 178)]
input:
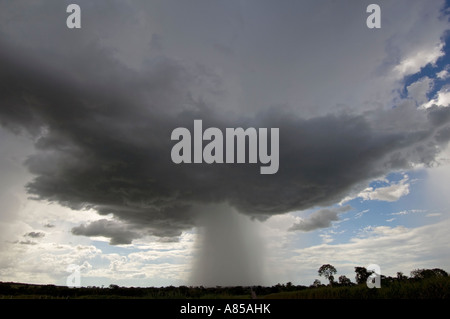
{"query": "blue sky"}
[(86, 127)]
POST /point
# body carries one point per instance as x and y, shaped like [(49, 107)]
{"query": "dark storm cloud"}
[(102, 136), (104, 143)]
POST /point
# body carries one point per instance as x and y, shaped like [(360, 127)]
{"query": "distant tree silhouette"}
[(361, 275), (428, 273), (344, 281), (327, 271), (400, 276), (316, 283), (289, 286)]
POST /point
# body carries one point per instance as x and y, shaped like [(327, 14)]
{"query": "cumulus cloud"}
[(416, 60), (442, 98), (444, 74), (389, 193)]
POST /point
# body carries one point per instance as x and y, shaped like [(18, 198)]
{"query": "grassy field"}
[(431, 288)]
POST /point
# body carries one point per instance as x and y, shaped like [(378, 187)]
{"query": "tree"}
[(400, 276), (428, 273), (327, 271), (289, 286), (344, 281), (361, 275), (316, 283)]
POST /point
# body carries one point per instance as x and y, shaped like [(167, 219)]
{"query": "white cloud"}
[(361, 213), (409, 211), (157, 263), (415, 60), (154, 263), (442, 99), (444, 74), (393, 248), (326, 238), (44, 262), (276, 231), (389, 193)]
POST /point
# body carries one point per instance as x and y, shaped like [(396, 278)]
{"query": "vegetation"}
[(422, 284), (328, 271), (431, 288), (18, 290)]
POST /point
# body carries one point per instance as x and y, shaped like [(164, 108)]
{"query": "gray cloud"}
[(34, 234), (101, 130), (27, 242), (321, 218), (117, 232)]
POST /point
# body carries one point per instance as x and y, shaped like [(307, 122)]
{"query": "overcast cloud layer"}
[(100, 103)]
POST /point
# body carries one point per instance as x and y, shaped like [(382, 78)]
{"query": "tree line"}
[(362, 274), (19, 290)]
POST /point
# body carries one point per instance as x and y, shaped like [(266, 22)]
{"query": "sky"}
[(86, 117)]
